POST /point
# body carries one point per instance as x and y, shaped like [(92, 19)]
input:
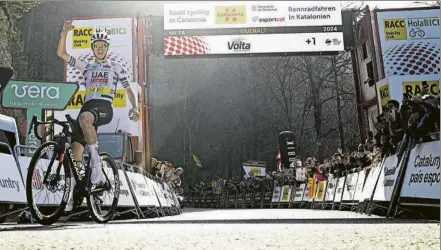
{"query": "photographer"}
[(425, 114)]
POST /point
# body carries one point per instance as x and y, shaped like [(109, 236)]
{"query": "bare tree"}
[(429, 3)]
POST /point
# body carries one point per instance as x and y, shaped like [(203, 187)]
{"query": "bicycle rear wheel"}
[(45, 157), (103, 206)]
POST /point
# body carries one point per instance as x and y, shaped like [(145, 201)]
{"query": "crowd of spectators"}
[(417, 117), (164, 171)]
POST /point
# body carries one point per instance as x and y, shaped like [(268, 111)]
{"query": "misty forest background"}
[(223, 110), (229, 110)]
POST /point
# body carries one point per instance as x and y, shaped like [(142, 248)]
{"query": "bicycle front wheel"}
[(51, 188), (103, 204)]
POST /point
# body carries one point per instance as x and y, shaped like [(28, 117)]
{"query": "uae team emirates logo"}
[(76, 76)]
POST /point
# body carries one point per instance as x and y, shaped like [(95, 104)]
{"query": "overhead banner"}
[(120, 51), (253, 44), (410, 41), (219, 15), (229, 28)]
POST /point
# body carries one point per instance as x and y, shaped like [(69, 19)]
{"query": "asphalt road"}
[(231, 229)]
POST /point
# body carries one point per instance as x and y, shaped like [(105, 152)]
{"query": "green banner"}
[(36, 97), (41, 95)]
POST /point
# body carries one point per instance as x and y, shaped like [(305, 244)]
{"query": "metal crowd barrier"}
[(141, 194), (399, 183)]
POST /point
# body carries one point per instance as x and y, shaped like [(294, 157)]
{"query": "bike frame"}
[(67, 155)]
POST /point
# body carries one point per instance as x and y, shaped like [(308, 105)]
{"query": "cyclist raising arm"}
[(100, 78)]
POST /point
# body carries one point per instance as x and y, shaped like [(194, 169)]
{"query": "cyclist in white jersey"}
[(100, 78)]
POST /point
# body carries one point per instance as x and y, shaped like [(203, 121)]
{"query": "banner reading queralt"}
[(215, 15), (120, 50), (410, 42)]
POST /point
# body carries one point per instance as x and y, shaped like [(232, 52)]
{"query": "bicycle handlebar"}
[(35, 123)]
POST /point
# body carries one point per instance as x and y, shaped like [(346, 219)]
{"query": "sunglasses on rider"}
[(100, 45)]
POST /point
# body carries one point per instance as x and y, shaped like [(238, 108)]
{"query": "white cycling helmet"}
[(100, 36)]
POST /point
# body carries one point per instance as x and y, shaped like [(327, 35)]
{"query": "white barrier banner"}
[(306, 194), (167, 198), (276, 194), (125, 196), (169, 195), (360, 184), (144, 195), (339, 190), (299, 193), (387, 179), (349, 189), (11, 184), (371, 180), (152, 185), (422, 174), (41, 195), (330, 189), (286, 193), (176, 202), (162, 197)]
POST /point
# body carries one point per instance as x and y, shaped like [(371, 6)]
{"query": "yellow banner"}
[(320, 191), (81, 37), (384, 94), (78, 100), (231, 14), (312, 187), (285, 194), (395, 29), (256, 171), (415, 88)]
